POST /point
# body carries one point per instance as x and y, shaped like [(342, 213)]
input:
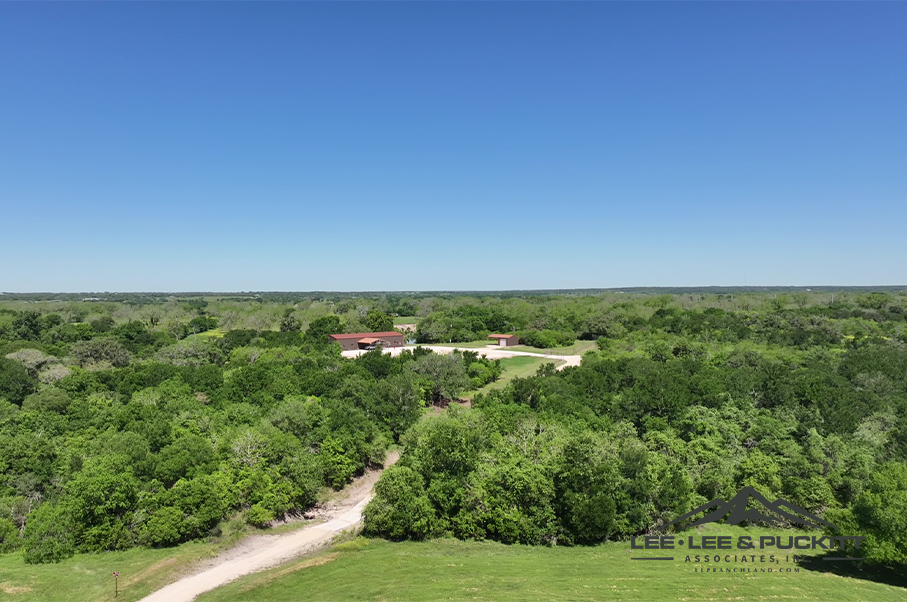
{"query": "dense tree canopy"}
[(152, 420)]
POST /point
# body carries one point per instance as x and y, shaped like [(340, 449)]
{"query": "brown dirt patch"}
[(148, 571), (8, 588), (305, 564), (440, 406)]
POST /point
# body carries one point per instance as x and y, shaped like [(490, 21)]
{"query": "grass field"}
[(453, 570), (448, 569), (215, 333), (520, 366), (406, 320), (89, 578), (577, 348)]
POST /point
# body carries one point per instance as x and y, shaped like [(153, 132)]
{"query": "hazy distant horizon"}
[(714, 289)]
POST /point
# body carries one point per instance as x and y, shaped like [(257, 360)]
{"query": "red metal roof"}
[(502, 336), (360, 335)]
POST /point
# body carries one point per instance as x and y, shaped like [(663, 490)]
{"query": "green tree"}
[(378, 321), (15, 381), (762, 472), (163, 527), (102, 324), (400, 509), (319, 329), (9, 536), (512, 501), (27, 326), (446, 373), (49, 535), (339, 464), (585, 483), (34, 360), (100, 350), (187, 456), (290, 323), (100, 500), (880, 514), (49, 399)]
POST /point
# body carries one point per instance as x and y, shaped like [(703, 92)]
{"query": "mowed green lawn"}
[(406, 320), (89, 577), (520, 366), (454, 570), (445, 569), (577, 348)]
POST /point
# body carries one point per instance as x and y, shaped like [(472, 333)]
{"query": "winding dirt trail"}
[(257, 553)]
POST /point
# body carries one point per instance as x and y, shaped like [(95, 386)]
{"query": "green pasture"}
[(89, 577), (453, 570)]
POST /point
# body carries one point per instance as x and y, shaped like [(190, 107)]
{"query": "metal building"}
[(505, 340), (364, 340)]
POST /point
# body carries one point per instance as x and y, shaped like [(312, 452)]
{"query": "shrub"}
[(339, 466), (48, 400), (53, 373), (400, 509), (9, 536), (879, 513), (32, 359), (259, 516), (48, 535), (193, 352), (163, 528)]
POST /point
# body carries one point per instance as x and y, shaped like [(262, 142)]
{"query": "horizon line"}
[(685, 288)]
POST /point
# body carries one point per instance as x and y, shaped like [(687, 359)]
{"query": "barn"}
[(505, 340), (363, 340)]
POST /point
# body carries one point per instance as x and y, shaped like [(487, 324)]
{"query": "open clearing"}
[(490, 351), (448, 569), (577, 348), (215, 333), (88, 577), (519, 366), (398, 320)]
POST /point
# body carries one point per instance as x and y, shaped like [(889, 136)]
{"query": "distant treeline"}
[(297, 296)]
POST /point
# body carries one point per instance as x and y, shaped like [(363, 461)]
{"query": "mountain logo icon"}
[(739, 510)]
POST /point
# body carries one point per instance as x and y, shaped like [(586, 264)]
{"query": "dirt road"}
[(264, 551), (492, 352), (261, 552)]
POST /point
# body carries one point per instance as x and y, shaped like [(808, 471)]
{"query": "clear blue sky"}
[(403, 146)]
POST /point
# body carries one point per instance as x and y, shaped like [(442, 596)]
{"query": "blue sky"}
[(404, 146)]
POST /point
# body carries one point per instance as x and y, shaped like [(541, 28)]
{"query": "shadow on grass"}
[(857, 569)]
